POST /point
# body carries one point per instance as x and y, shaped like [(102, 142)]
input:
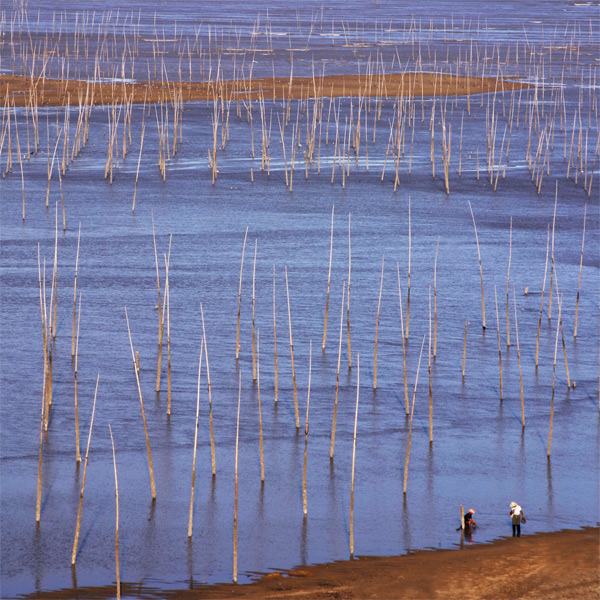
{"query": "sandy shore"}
[(53, 92), (559, 565)]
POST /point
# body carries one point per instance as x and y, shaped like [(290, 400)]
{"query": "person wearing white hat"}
[(517, 517)]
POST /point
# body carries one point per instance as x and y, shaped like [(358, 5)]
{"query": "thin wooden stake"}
[(275, 340), (553, 383), (253, 327), (304, 494), (75, 292), (260, 426), (377, 326), (117, 515), (237, 339), (403, 342), (328, 280), (337, 382), (580, 268), (480, 268), (348, 295), (499, 348), (235, 509), (519, 358), (354, 457), (297, 416), (210, 412), (507, 285), (191, 517)]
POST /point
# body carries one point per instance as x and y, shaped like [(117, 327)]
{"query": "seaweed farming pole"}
[(77, 453), (408, 286), (435, 299), (87, 452), (403, 341), (297, 417), (480, 267), (519, 358), (337, 382), (276, 383), (191, 517), (507, 285), (210, 413), (304, 494), (328, 280), (580, 268), (559, 300), (377, 326), (430, 382), (137, 379), (464, 351), (552, 272), (412, 413), (260, 426), (499, 347), (553, 382), (75, 293), (137, 173), (354, 457), (253, 326), (537, 344), (112, 441), (235, 508), (348, 296), (237, 339)]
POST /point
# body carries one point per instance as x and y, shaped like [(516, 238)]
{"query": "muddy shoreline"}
[(555, 565), (23, 90)]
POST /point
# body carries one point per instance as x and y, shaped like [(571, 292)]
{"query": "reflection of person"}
[(469, 521), (517, 517)]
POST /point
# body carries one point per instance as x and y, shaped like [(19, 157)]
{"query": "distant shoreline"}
[(549, 565), (54, 92)]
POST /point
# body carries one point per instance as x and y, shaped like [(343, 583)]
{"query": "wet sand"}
[(558, 565), (54, 92)]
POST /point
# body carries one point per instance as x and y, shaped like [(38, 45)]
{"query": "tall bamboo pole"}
[(210, 412), (297, 416), (137, 379), (237, 339), (235, 509), (435, 299), (275, 341), (580, 268), (430, 382), (337, 382), (260, 426), (408, 285), (499, 348), (253, 305), (75, 292), (507, 285), (191, 517), (480, 268), (537, 343), (348, 295), (553, 382), (552, 252), (354, 457), (77, 453), (403, 342), (412, 413), (304, 494), (559, 300), (328, 280), (377, 326), (519, 358), (85, 463), (112, 441)]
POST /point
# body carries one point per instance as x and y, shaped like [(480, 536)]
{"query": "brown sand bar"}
[(54, 92), (558, 565)]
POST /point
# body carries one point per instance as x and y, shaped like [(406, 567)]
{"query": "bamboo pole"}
[(337, 382), (117, 515), (552, 253), (537, 344), (348, 295), (519, 358), (275, 340), (210, 412), (160, 322), (559, 299), (253, 304), (168, 307), (408, 286), (85, 463), (237, 340), (464, 351), (553, 382), (507, 285), (403, 342), (377, 326), (354, 457), (412, 413), (38, 505), (137, 173), (77, 453), (328, 280), (75, 292), (430, 382), (235, 509), (297, 416), (480, 268), (304, 494), (191, 517), (260, 426), (435, 300), (580, 268), (137, 379), (499, 348)]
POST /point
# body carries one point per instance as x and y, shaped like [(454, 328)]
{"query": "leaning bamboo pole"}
[(580, 268), (519, 359), (480, 267), (499, 347), (337, 382), (537, 343), (112, 441), (210, 411), (297, 416), (553, 382), (328, 280), (377, 326), (85, 463), (137, 379), (191, 517), (235, 508), (354, 457), (412, 413), (237, 339), (403, 342)]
